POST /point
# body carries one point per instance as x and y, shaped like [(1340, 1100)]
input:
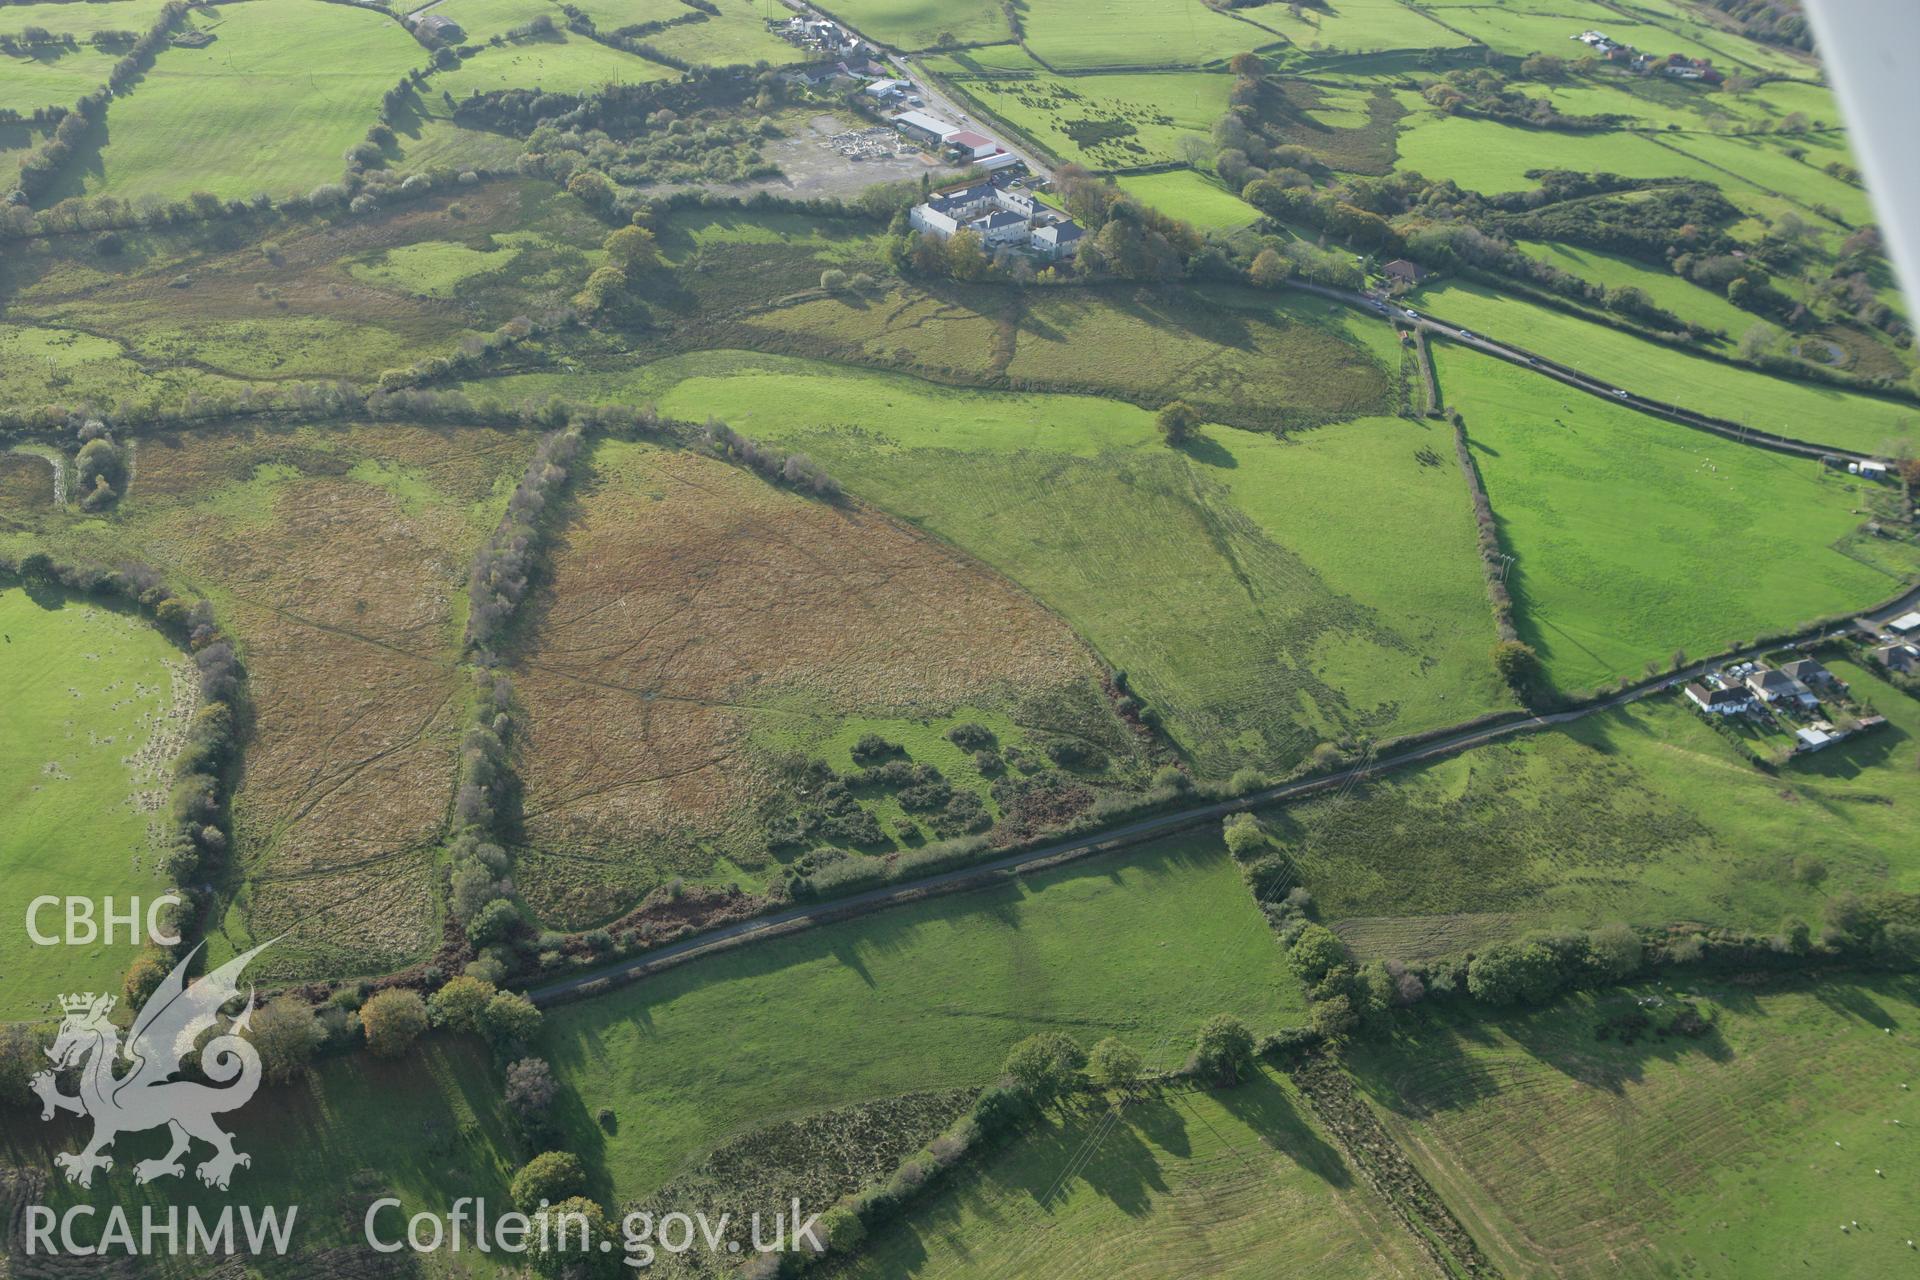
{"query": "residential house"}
[(1058, 240), (1777, 687), (1903, 658), (1810, 673), (1001, 217), (1404, 271), (1719, 702), (1000, 227)]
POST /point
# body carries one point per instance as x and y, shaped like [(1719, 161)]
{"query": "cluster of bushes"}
[(480, 886), (618, 110), (672, 148), (202, 771), (1649, 218), (794, 470), (832, 813), (610, 292), (1482, 91), (499, 577), (99, 468), (1779, 22), (822, 878), (475, 352)]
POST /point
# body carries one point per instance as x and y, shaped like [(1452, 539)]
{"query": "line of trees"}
[(794, 470)]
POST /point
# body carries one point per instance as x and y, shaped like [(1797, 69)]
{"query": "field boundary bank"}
[(1374, 1153)]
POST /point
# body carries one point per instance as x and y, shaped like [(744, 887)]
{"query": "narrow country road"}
[(987, 873), (1388, 310)]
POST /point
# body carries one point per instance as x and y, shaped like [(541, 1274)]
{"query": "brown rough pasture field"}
[(26, 484), (337, 559), (694, 612)]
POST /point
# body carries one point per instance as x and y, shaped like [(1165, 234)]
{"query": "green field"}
[(52, 78), (1764, 163), (1192, 198), (307, 76), (1188, 1184), (1642, 814), (1070, 34), (1145, 945), (1689, 301), (1799, 410), (1107, 121), (1687, 23), (428, 1130), (435, 268), (1355, 26), (481, 20), (1258, 591), (1517, 33), (738, 35), (96, 703), (1489, 156), (559, 63), (1746, 1153), (1582, 489), (81, 20), (921, 24)]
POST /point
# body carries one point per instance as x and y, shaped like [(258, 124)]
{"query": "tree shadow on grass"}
[(1209, 452), (1856, 1001), (1263, 1106), (1568, 1043)]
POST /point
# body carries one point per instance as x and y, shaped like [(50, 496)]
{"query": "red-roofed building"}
[(976, 145)]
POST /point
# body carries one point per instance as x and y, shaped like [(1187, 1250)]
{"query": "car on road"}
[(1466, 333), (1411, 315), (1618, 392), (1535, 363)]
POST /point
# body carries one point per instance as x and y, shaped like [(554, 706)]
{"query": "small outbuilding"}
[(440, 27)]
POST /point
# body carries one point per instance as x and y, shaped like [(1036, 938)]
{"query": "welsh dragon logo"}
[(148, 1096)]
